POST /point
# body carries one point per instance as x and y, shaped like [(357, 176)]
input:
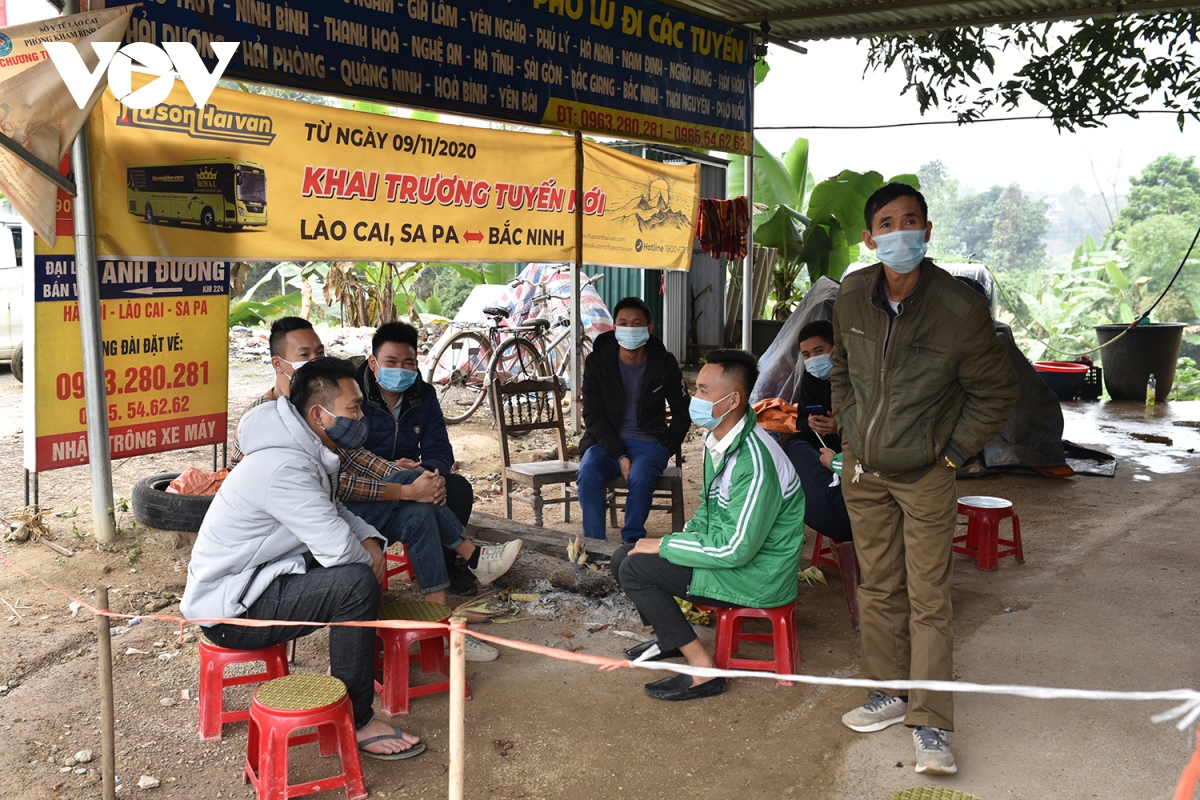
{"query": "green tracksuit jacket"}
[(744, 541)]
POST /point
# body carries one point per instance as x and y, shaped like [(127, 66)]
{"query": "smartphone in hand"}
[(817, 411)]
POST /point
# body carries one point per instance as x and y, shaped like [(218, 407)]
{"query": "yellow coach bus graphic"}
[(212, 192)]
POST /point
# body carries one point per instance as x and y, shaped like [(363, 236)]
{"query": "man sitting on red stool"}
[(276, 545), (742, 548)]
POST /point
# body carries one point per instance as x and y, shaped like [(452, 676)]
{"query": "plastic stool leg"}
[(356, 787), (989, 534), (848, 566), (785, 647), (817, 543), (211, 696), (273, 776)]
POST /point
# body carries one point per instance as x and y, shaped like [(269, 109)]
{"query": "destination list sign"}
[(633, 69)]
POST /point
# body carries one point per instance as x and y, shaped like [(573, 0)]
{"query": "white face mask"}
[(295, 365)]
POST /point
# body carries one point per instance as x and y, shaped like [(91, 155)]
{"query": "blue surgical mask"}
[(632, 338), (701, 412), (396, 379), (345, 432), (819, 366), (901, 250)]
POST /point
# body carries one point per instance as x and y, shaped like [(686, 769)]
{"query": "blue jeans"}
[(824, 508), (424, 529), (597, 468)]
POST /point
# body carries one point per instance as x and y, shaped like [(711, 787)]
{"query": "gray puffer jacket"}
[(273, 510)]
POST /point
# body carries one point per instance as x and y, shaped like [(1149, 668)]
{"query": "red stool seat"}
[(213, 661), (392, 647), (288, 704), (397, 564), (982, 540), (782, 636)]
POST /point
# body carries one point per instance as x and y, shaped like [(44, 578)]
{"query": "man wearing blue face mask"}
[(406, 427), (629, 381), (812, 448), (920, 383)]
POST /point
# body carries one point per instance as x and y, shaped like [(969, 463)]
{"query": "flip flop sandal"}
[(415, 750)]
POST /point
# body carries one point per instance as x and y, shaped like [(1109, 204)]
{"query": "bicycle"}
[(459, 367), (532, 351)]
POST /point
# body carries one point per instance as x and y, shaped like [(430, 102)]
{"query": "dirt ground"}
[(1106, 599)]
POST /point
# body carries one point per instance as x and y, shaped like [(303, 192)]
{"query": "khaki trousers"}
[(902, 535)]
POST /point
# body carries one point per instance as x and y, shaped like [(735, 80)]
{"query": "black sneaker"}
[(461, 581)]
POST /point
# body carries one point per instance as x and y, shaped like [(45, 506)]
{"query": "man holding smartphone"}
[(816, 441)]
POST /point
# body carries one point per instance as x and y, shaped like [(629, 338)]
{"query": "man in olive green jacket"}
[(920, 383)]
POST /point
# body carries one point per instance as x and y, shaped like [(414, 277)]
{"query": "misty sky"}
[(827, 87)]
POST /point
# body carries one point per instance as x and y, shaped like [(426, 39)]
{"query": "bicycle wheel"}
[(517, 359), (560, 361), (459, 374)]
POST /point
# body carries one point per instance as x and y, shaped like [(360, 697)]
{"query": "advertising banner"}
[(38, 112), (255, 178), (165, 331), (637, 68)]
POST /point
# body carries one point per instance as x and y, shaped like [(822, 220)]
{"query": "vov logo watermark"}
[(144, 58)]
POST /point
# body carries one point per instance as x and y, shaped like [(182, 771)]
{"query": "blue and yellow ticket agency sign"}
[(636, 69)]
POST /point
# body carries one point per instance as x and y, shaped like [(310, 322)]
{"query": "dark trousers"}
[(653, 583), (336, 594), (824, 507)]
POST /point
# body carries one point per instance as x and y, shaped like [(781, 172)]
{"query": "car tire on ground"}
[(18, 363), (155, 507)]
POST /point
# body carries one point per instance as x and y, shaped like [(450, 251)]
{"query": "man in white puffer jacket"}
[(276, 544)]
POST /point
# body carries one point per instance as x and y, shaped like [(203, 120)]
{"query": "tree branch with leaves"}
[(1080, 72)]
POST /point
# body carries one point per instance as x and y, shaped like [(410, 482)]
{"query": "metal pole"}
[(576, 316), (108, 751), (87, 280), (458, 702), (748, 268)]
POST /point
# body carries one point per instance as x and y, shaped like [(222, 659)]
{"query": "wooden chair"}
[(668, 494), (533, 405)]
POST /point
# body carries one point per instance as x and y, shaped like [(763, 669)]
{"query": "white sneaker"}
[(476, 650), (495, 560), (880, 711), (933, 752)]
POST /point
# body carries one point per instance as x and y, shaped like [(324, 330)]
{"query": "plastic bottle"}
[(1151, 390)]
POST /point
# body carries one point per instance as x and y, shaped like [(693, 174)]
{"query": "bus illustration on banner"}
[(211, 192)]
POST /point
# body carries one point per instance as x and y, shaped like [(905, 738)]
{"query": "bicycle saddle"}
[(537, 323), (496, 311)]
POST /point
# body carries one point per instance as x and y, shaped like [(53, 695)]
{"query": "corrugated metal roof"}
[(799, 20)]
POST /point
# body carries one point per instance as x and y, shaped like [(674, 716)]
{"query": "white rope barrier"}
[(1187, 712)]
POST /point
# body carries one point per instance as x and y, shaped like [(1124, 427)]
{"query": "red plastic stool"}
[(213, 661), (982, 540), (782, 636), (823, 553), (392, 648), (397, 565), (288, 704)]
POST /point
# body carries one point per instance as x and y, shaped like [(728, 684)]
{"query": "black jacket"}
[(604, 397), (420, 431), (815, 392)]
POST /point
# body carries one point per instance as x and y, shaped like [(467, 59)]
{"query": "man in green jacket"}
[(920, 384), (742, 548)]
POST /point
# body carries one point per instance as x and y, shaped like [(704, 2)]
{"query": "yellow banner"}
[(257, 178), (164, 326)]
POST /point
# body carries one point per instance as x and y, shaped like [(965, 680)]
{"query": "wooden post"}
[(108, 751), (575, 371), (458, 702)]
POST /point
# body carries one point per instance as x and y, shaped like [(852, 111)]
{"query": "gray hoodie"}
[(276, 507)]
